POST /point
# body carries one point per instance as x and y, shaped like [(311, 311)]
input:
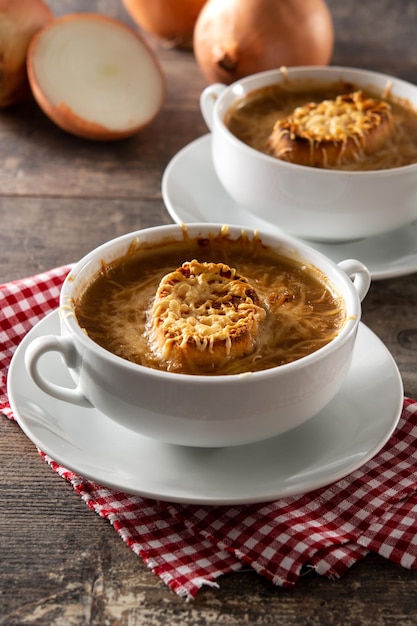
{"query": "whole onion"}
[(169, 20), (20, 20), (235, 38)]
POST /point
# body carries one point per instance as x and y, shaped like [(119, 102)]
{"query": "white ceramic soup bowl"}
[(308, 202), (197, 410)]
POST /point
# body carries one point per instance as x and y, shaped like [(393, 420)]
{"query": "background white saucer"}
[(192, 192), (340, 439)]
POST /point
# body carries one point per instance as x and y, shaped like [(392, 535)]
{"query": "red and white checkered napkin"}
[(373, 509)]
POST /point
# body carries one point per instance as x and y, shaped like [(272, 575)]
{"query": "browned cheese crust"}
[(332, 132), (202, 315)]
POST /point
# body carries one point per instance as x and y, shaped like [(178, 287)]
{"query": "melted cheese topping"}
[(202, 306), (348, 116)]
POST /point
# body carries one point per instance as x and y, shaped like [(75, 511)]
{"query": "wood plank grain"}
[(60, 196)]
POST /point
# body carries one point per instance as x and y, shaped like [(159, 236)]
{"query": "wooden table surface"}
[(61, 196)]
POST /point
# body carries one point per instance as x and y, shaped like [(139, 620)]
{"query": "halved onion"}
[(95, 77)]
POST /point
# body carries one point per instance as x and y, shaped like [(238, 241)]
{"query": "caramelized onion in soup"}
[(209, 306), (337, 126)]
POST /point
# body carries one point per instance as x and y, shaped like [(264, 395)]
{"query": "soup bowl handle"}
[(208, 99), (65, 347), (359, 275)]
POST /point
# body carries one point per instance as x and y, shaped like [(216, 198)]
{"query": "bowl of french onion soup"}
[(205, 334), (324, 153)]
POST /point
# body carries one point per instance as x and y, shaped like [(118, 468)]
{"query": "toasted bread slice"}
[(332, 132), (202, 315)]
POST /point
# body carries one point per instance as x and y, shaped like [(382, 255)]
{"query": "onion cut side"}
[(95, 77)]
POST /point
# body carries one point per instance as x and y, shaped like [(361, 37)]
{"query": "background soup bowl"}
[(308, 202), (200, 410)]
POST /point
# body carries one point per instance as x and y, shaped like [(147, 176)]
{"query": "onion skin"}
[(20, 20), (169, 20), (236, 38)]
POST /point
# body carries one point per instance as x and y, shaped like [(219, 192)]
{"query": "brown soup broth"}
[(113, 308), (252, 119)]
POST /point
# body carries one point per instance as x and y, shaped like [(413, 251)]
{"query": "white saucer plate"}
[(338, 440), (193, 193)]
